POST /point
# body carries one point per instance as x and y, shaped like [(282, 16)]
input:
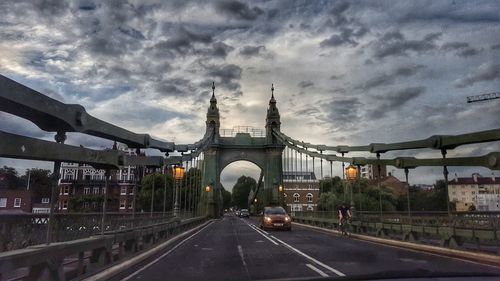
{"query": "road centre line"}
[(317, 270), (296, 250)]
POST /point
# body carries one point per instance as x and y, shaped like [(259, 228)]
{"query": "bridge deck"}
[(233, 249)]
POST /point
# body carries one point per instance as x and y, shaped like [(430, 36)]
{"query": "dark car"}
[(244, 213), (275, 218)]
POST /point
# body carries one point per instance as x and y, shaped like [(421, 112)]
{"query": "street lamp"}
[(281, 194), (351, 174), (178, 175), (208, 188)]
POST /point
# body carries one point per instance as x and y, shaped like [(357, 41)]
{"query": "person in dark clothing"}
[(344, 215)]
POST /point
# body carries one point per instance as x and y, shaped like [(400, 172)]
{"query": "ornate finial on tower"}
[(272, 90), (213, 99)]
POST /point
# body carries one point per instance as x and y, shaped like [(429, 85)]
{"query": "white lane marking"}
[(265, 236), (240, 251), (310, 258), (317, 270), (166, 254)]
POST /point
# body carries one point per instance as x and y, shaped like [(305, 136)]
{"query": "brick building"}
[(301, 191), (15, 201)]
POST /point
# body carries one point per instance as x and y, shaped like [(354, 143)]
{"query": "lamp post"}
[(281, 194), (208, 188), (178, 175), (351, 175)]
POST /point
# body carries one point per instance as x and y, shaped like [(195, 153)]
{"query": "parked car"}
[(237, 213), (244, 213), (275, 218)]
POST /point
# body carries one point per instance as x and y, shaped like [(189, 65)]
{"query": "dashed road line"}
[(339, 273), (317, 270)]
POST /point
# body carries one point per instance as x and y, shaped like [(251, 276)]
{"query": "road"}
[(235, 249)]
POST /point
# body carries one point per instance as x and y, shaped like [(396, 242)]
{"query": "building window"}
[(122, 204), (86, 190), (17, 202), (310, 208), (3, 202), (96, 190), (45, 200), (130, 205), (65, 190), (103, 190), (309, 197), (64, 204), (123, 190), (284, 195), (296, 197)]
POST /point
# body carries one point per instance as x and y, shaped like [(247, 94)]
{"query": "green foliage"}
[(9, 179), (426, 200), (40, 183), (241, 190), (226, 198), (146, 190)]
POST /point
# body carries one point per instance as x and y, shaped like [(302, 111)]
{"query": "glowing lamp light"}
[(178, 172), (351, 173), (255, 200), (207, 188), (280, 188)]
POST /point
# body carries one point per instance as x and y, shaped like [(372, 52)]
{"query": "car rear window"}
[(275, 211)]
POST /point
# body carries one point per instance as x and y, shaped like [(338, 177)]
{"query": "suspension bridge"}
[(60, 248)]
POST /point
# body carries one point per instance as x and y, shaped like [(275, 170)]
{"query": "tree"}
[(39, 183), (331, 185), (328, 201), (144, 194), (9, 178), (241, 190), (226, 198)]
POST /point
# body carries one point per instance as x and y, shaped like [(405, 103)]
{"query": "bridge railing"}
[(19, 231), (460, 229), (84, 257)]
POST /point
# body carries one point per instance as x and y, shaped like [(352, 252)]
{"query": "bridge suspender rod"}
[(296, 167), (301, 172), (321, 164)]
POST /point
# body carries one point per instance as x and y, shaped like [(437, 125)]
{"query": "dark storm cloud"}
[(392, 101), (495, 47), (486, 12), (343, 111), (337, 11), (181, 43), (238, 10), (485, 72), (449, 46), (462, 49), (305, 84), (226, 73), (395, 44), (388, 79), (249, 51)]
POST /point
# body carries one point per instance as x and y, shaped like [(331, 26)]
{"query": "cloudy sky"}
[(351, 72)]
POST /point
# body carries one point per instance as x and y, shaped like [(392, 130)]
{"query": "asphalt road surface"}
[(236, 249)]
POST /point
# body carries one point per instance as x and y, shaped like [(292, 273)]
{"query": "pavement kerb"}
[(118, 268), (464, 255)]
